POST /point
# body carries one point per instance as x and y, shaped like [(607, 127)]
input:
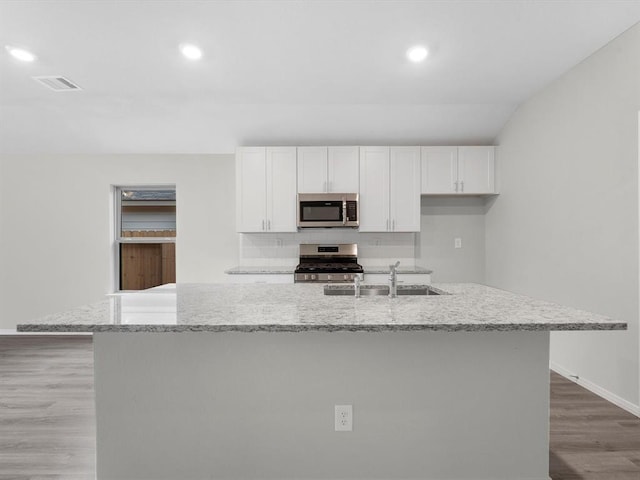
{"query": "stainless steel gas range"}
[(327, 263)]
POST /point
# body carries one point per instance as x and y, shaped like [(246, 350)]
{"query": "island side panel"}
[(429, 405)]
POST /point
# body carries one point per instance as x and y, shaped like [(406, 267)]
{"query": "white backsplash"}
[(281, 249)]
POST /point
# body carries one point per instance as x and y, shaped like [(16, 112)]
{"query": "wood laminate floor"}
[(47, 418)]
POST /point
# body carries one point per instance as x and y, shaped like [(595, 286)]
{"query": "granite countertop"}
[(304, 307), (400, 270), (284, 270), (260, 270)]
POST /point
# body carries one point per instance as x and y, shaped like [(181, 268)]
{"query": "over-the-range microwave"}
[(322, 210)]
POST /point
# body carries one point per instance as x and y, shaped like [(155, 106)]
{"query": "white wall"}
[(565, 227), (442, 220), (55, 237)]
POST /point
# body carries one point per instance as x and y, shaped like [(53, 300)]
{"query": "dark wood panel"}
[(146, 265), (168, 263)]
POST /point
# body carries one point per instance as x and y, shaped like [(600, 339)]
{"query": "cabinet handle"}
[(393, 225), (263, 225), (456, 186), (269, 225), (462, 185)]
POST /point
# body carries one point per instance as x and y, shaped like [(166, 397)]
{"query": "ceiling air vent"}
[(57, 83)]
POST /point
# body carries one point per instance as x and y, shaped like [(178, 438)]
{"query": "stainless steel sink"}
[(372, 290)]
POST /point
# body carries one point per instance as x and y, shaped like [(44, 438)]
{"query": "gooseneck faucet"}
[(393, 280), (356, 281)]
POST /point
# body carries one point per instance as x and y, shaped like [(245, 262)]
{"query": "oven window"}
[(322, 213)]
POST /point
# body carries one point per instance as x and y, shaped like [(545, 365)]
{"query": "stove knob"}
[(328, 277), (346, 277), (313, 277)]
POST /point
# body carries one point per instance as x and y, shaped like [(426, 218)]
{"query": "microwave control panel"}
[(352, 211)]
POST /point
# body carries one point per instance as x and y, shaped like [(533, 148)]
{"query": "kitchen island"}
[(240, 381)]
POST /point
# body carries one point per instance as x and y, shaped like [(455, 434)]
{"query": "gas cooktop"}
[(327, 263)]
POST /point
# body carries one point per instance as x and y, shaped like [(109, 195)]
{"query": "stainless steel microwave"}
[(323, 210)]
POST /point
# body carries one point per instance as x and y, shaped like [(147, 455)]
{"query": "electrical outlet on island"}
[(344, 418)]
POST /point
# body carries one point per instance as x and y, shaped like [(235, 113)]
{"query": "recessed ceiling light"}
[(192, 52), (20, 53), (417, 54)]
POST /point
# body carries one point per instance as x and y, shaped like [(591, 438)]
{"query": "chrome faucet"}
[(356, 281), (393, 280)]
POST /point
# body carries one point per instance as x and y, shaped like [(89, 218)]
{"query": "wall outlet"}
[(344, 418), (457, 242)]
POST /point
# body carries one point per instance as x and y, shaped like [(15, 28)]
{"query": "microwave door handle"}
[(344, 212)]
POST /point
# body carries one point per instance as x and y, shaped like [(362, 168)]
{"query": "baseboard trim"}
[(598, 390)]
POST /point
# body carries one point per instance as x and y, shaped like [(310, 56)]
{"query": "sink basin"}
[(373, 290)]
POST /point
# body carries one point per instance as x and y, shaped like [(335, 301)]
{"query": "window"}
[(145, 236)]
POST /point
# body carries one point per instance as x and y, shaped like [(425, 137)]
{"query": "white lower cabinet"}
[(389, 189), (266, 189)]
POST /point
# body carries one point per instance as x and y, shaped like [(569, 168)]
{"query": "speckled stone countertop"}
[(401, 270), (260, 270), (285, 270), (304, 307)]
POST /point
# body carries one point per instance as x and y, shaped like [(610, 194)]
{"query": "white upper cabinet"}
[(281, 189), (390, 189), (389, 180), (343, 170), (458, 170), (476, 170), (251, 189), (439, 169), (374, 189), (266, 189), (404, 181), (328, 169), (312, 169)]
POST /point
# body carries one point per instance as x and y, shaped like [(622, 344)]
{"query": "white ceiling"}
[(284, 72)]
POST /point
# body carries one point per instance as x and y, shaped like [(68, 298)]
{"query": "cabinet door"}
[(251, 213), (404, 189), (343, 169), (312, 169), (281, 189), (439, 169), (374, 189), (476, 169)]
